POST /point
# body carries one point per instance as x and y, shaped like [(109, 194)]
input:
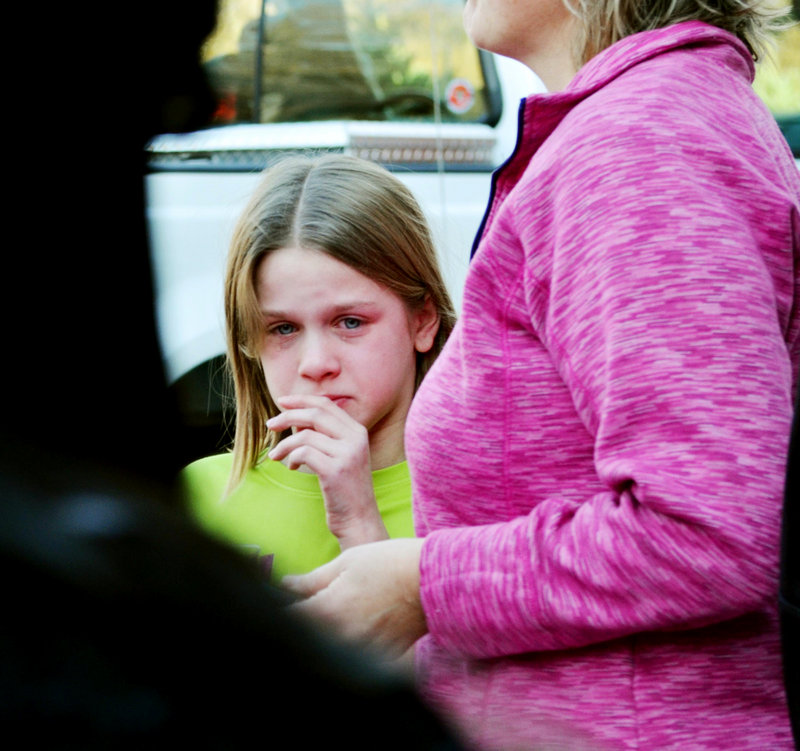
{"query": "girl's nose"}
[(318, 359)]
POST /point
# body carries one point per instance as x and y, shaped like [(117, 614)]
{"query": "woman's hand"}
[(369, 594), (335, 447)]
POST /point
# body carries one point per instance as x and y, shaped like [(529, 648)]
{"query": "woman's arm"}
[(665, 312)]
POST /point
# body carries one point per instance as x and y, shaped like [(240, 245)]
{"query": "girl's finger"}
[(295, 418), (319, 441), (307, 401), (330, 420), (319, 463), (301, 401)]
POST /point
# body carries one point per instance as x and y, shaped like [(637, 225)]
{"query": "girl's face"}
[(331, 331), (535, 32)]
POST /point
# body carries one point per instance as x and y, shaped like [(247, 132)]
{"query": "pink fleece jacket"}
[(598, 455)]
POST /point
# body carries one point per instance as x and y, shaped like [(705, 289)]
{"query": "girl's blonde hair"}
[(356, 212), (604, 22)]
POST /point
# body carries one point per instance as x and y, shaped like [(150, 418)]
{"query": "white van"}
[(395, 81)]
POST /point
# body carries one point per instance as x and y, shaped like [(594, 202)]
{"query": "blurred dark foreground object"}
[(125, 627)]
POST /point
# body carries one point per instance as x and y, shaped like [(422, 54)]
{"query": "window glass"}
[(344, 59), (778, 84)]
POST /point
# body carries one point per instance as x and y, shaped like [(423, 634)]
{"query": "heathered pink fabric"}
[(598, 454)]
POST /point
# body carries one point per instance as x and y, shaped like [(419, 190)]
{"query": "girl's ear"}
[(425, 324)]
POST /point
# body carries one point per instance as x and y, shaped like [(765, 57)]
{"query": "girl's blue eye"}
[(351, 323), (283, 329)]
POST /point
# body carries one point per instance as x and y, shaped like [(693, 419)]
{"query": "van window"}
[(272, 61), (778, 84)]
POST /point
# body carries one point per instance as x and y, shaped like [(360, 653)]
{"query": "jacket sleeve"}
[(665, 314)]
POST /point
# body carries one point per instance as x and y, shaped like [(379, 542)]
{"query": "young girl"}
[(335, 309)]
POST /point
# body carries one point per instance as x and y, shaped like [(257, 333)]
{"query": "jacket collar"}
[(540, 114), (636, 48)]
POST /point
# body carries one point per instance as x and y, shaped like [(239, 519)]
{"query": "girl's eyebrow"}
[(337, 309), (358, 304)]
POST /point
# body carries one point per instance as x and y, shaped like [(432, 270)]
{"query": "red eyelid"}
[(272, 328), (271, 325)]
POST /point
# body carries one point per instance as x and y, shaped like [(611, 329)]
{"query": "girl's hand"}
[(369, 594), (336, 448)]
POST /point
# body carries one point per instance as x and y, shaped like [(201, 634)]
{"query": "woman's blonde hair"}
[(351, 209), (604, 22)]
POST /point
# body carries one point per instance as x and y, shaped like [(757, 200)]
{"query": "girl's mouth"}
[(338, 399)]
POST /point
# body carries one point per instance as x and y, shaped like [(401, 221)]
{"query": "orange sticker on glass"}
[(459, 96)]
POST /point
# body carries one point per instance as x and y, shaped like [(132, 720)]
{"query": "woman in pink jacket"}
[(598, 454)]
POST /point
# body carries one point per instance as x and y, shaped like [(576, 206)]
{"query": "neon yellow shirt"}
[(279, 512)]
